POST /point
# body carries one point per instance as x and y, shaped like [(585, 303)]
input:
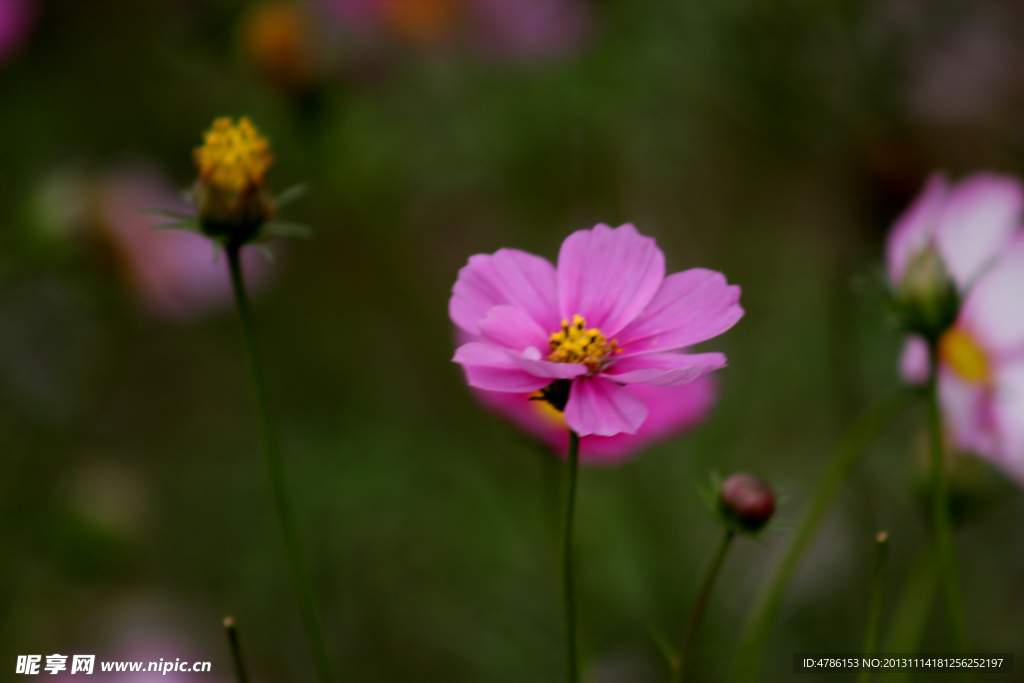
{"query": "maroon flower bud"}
[(746, 502)]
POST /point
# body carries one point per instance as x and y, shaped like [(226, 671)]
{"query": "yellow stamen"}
[(576, 344), (233, 156), (960, 351)]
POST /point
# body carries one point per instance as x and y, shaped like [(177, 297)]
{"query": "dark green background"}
[(774, 141)]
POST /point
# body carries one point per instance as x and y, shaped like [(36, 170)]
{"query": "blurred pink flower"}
[(672, 410), (967, 224), (144, 646), (606, 318), (512, 29), (175, 274), (981, 366), (17, 18), (975, 227), (529, 29)]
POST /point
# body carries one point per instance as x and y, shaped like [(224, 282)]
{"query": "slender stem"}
[(679, 664), (275, 470), (910, 615), (875, 602), (757, 630), (236, 652), (568, 590), (942, 524)]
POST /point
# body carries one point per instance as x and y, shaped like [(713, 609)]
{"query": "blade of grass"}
[(757, 630)]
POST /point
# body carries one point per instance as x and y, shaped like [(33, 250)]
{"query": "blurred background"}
[(774, 141)]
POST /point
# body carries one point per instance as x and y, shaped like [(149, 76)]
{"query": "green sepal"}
[(290, 195), (190, 226), (180, 221), (267, 252), (286, 229), (708, 491), (168, 214)]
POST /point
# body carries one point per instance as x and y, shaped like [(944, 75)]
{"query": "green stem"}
[(876, 602), (910, 615), (236, 652), (942, 524), (568, 590), (755, 635), (275, 470), (679, 665)]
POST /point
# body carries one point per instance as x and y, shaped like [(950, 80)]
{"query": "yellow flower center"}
[(576, 344), (960, 351), (233, 156)]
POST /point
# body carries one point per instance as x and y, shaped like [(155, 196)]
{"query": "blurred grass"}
[(772, 142)]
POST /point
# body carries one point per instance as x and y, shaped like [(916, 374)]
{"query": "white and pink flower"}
[(974, 227), (966, 224)]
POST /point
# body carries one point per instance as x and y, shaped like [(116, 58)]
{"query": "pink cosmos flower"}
[(16, 20), (582, 334), (975, 227), (175, 274)]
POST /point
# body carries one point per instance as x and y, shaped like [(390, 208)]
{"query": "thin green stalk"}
[(755, 635), (275, 470), (910, 615), (942, 524), (875, 602), (236, 652), (568, 590), (703, 596)]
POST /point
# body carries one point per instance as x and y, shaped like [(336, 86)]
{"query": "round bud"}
[(746, 502), (926, 299)]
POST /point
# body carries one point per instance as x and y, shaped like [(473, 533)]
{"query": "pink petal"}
[(491, 367), (914, 360), (511, 327), (672, 410), (174, 274), (664, 369), (602, 407), (608, 276), (915, 227), (508, 276), (994, 308), (980, 215), (531, 361), (688, 308), (1008, 416), (964, 409)]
